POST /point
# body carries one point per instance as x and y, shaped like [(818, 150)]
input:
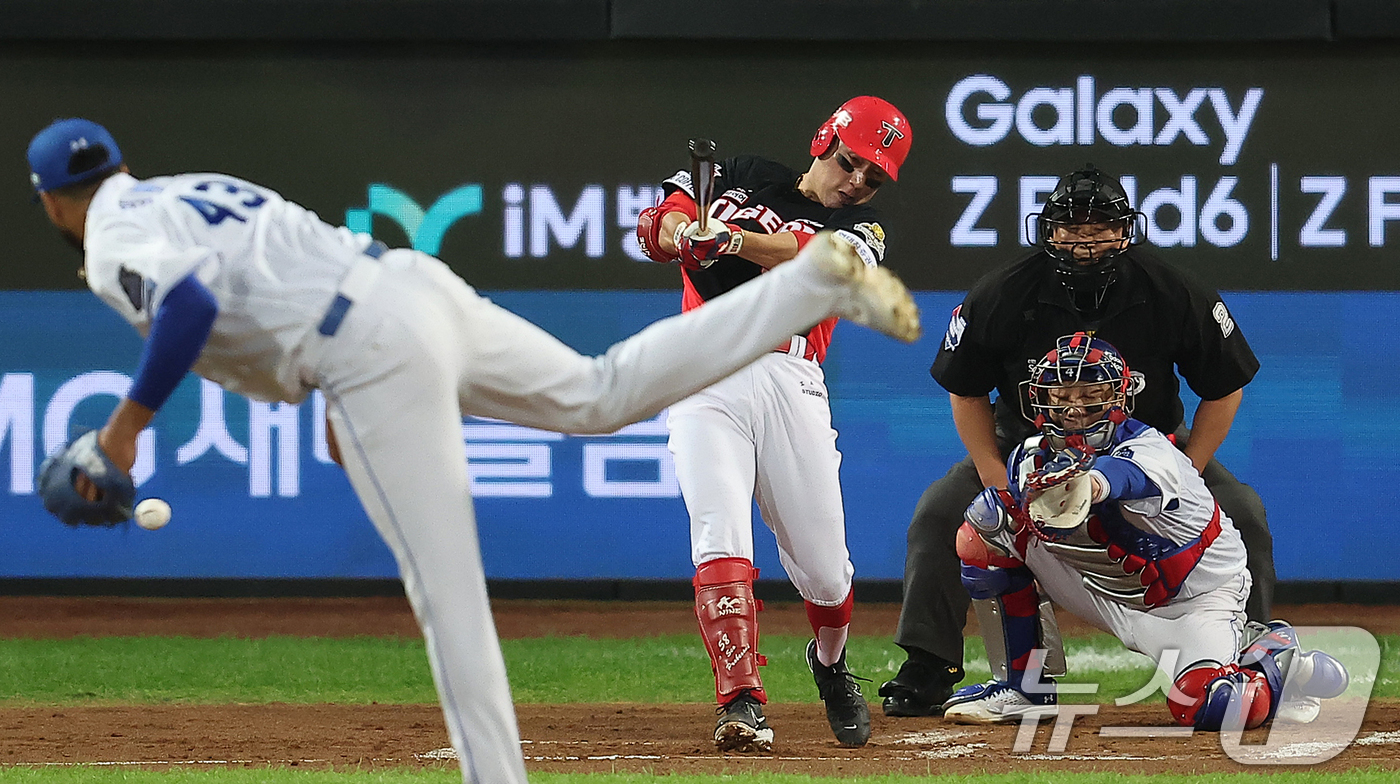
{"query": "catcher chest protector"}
[(728, 616), (873, 128)]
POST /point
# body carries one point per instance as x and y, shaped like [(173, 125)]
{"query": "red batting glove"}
[(702, 250), (649, 235)]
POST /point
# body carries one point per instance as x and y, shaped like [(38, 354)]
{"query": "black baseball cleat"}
[(846, 709), (920, 687), (742, 726)]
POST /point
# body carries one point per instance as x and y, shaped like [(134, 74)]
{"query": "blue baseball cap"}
[(69, 152)]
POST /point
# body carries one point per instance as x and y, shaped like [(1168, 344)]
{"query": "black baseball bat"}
[(702, 178)]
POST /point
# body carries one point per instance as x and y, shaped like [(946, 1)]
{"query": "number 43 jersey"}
[(273, 266)]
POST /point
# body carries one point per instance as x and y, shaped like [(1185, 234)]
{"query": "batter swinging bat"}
[(702, 178)]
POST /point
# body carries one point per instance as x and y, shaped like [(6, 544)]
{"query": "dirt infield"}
[(50, 617), (657, 738), (590, 738)]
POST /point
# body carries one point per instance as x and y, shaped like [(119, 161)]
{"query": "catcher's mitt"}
[(116, 493), (1060, 492)]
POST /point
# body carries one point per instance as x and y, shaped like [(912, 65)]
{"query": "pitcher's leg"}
[(401, 445), (519, 373)]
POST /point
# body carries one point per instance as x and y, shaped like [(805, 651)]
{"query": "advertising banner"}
[(255, 494), (1257, 167)]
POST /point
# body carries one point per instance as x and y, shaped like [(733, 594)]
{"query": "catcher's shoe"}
[(920, 687), (994, 702), (846, 709), (742, 726), (1308, 676), (1312, 676), (876, 298), (1299, 710)]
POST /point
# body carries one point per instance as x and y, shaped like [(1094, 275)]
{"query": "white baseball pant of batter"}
[(418, 349), (764, 434)]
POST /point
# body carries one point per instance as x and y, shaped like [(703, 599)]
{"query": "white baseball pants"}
[(764, 434), (1206, 626), (422, 349)]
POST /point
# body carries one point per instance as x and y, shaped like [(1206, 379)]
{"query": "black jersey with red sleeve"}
[(759, 195)]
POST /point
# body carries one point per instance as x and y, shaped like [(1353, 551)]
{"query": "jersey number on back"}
[(215, 212)]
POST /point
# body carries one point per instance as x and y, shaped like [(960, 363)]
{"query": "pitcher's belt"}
[(354, 286)]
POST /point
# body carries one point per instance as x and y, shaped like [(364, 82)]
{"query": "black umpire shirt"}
[(1154, 314)]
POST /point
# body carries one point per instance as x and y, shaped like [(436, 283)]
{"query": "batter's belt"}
[(798, 346)]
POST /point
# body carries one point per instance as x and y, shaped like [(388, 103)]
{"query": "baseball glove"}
[(1060, 492), (116, 493)]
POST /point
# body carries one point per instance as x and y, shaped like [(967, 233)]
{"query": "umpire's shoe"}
[(742, 726), (921, 686), (846, 709)]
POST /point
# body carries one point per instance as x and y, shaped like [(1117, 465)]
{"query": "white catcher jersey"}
[(1176, 514), (272, 266)]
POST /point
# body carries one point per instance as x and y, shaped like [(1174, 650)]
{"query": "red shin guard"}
[(728, 616)]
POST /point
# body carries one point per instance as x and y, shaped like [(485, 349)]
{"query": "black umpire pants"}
[(935, 602)]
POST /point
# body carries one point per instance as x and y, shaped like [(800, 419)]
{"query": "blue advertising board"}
[(255, 494)]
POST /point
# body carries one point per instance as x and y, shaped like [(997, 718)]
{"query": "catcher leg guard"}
[(1316, 674), (1212, 696), (1007, 604), (728, 616), (994, 575)]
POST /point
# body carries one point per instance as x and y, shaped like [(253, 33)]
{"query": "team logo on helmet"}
[(891, 133)]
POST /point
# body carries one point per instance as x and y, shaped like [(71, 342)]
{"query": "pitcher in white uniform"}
[(1109, 519), (227, 278)]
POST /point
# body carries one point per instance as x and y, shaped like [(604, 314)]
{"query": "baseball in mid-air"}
[(152, 513)]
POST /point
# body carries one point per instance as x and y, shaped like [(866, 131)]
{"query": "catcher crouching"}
[(1107, 518)]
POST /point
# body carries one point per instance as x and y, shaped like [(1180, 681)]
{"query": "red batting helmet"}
[(873, 128)]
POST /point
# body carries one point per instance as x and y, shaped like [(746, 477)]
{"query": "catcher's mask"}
[(1085, 225), (1081, 387)]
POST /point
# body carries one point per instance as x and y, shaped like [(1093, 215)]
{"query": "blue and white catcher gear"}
[(1095, 367)]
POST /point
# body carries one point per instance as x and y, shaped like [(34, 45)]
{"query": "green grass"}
[(87, 775), (183, 669), (114, 670)]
